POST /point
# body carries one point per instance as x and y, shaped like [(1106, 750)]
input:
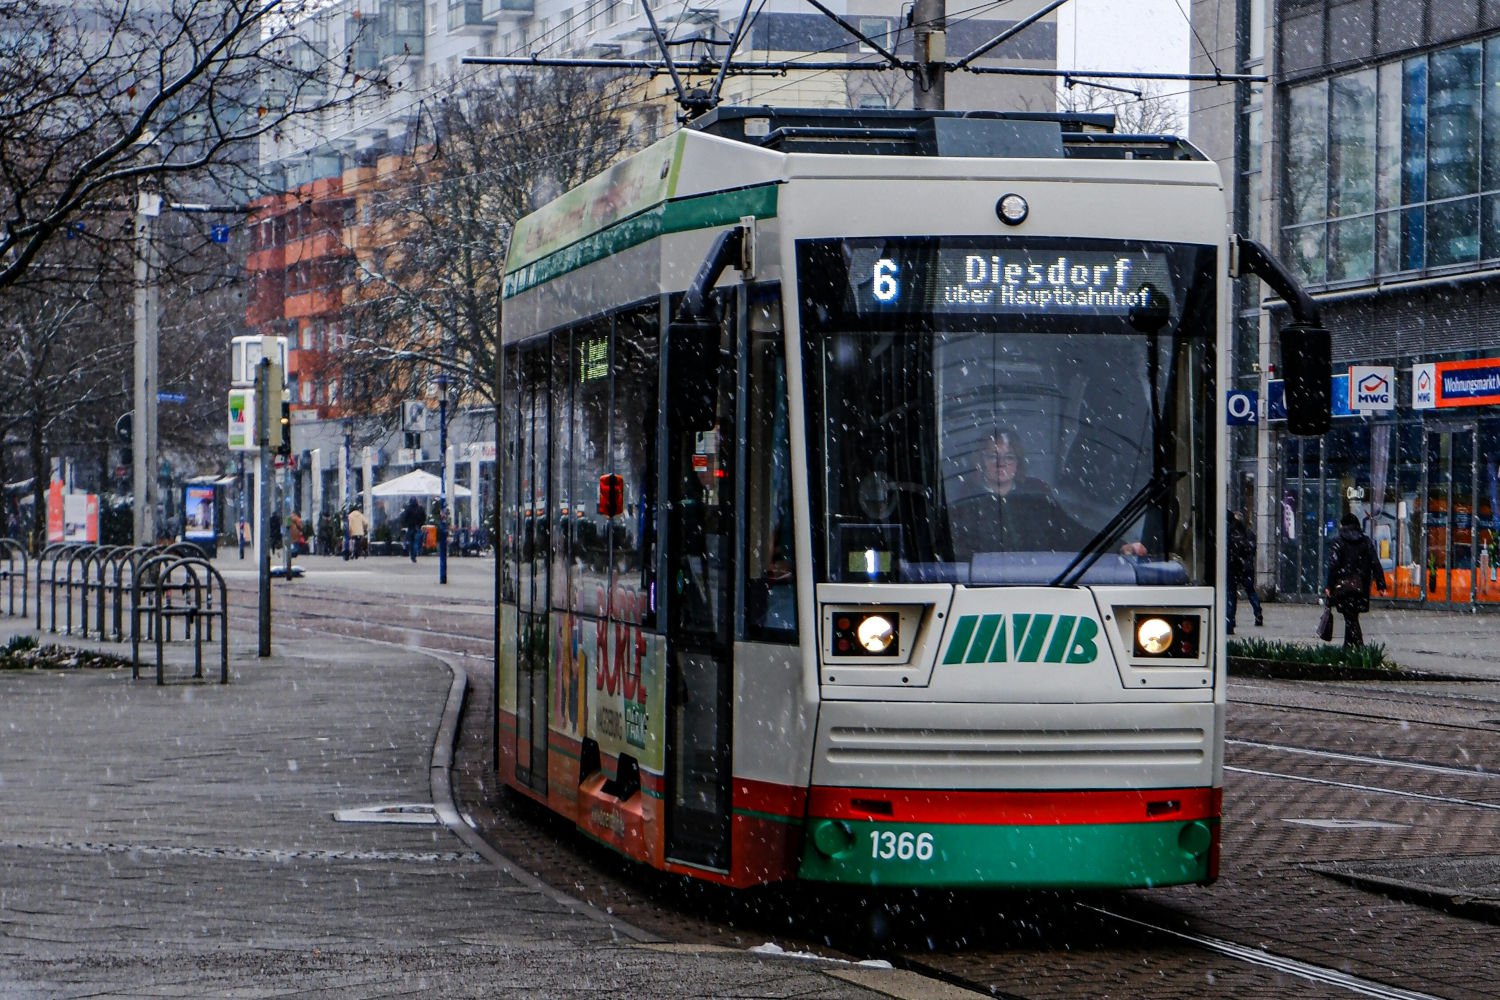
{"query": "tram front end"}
[(1013, 443)]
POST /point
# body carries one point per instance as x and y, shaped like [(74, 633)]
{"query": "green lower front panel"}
[(1097, 856)]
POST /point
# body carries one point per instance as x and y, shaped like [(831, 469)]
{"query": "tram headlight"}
[(1168, 636), (876, 633), (1153, 635), (865, 633)]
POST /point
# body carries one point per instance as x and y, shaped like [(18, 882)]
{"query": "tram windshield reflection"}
[(985, 411)]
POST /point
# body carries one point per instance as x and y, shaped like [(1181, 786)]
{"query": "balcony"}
[(402, 29), (493, 10), (466, 17)]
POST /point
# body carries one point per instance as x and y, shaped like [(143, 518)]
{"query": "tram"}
[(860, 478)]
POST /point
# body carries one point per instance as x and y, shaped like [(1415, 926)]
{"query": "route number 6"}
[(887, 845), (884, 285)]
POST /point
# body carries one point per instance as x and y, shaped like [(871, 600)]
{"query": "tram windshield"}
[(1008, 411)]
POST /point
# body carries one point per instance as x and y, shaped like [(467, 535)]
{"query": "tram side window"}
[(564, 407), (507, 483), (633, 457), (770, 567), (589, 453)]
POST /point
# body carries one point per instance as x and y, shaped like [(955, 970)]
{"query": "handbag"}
[(1325, 624)]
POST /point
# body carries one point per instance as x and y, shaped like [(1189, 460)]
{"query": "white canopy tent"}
[(417, 484)]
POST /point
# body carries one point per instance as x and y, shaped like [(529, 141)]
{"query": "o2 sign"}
[(1241, 407)]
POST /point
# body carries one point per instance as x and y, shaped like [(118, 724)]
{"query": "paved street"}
[(182, 841)]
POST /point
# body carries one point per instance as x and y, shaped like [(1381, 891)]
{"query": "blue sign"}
[(219, 234), (171, 397), (1276, 398), (1474, 383), (1239, 407)]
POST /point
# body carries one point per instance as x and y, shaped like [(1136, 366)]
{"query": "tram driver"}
[(1014, 512)]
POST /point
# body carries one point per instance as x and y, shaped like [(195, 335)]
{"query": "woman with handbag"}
[(1352, 566)]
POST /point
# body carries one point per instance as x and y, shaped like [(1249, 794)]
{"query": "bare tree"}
[(103, 97), (1140, 110), (428, 304), (103, 100)]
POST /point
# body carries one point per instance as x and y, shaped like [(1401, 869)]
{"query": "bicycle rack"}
[(195, 579), (46, 574), (15, 567)]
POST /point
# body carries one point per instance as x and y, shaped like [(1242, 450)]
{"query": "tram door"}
[(534, 558), (700, 594), (1450, 467)]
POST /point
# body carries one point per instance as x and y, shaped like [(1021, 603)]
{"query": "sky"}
[(1148, 35)]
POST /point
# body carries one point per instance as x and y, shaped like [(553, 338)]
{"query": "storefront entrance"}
[(1449, 545), (1426, 491)]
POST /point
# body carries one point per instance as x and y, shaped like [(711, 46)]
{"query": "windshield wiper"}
[(1149, 494)]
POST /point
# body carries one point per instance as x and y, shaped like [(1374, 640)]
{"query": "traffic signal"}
[(284, 447)]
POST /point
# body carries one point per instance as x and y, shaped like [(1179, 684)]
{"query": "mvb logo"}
[(1023, 639)]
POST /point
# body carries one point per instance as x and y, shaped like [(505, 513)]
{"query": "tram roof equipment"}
[(894, 132)]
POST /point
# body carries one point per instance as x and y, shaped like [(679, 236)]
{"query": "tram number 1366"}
[(887, 845)]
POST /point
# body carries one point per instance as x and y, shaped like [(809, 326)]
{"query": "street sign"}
[(1240, 407), (219, 234), (242, 420), (171, 397), (414, 416)]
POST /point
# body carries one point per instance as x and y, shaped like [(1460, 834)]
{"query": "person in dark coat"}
[(412, 519), (1352, 565), (1241, 553)]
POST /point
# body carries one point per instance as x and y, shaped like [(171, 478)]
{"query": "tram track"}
[(1126, 944)]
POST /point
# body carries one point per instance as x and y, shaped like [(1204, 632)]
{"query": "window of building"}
[(875, 29), (1396, 168)]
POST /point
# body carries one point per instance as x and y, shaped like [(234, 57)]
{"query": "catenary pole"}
[(930, 37), (143, 440), (268, 415)]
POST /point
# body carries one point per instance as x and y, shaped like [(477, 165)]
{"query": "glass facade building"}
[(1394, 169), (1388, 208)]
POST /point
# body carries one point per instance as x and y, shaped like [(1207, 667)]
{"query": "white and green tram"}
[(766, 611)]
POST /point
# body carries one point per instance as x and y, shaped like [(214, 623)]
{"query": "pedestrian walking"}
[(412, 519), (1240, 545), (358, 528), (297, 534), (1352, 565)]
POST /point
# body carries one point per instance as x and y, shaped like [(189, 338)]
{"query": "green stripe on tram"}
[(678, 216), (1091, 855)]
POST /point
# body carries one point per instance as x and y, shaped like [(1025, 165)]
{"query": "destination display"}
[(1032, 280)]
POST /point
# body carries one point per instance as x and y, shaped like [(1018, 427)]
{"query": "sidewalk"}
[(182, 841), (1448, 642)]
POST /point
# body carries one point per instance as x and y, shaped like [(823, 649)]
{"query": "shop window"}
[(1351, 250), (1453, 102), (1307, 153), (1453, 232), (1351, 145)]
